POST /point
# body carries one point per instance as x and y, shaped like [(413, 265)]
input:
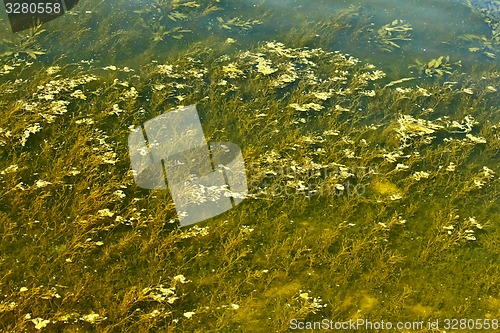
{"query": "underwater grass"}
[(366, 199)]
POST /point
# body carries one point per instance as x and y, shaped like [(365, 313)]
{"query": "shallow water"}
[(368, 131), (437, 27)]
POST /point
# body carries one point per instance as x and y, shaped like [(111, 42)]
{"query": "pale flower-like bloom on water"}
[(181, 278), (451, 167), (488, 173), (473, 221), (164, 69), (264, 67), (369, 93), (339, 187), (450, 227), (10, 169), (90, 318), (59, 107), (306, 107), (322, 95), (131, 94), (402, 166), (404, 90), (340, 108), (475, 139), (119, 194), (74, 172), (42, 183), (53, 70), (246, 229), (40, 323), (189, 314), (479, 183), (30, 130), (420, 175), (331, 132), (172, 299), (86, 121), (424, 92), (232, 70), (395, 197), (109, 157), (78, 94)]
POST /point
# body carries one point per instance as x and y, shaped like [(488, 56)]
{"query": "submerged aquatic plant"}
[(436, 67), (489, 45), (483, 44), (490, 11), (25, 45), (390, 35)]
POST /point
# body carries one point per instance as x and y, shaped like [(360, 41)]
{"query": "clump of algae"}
[(384, 187)]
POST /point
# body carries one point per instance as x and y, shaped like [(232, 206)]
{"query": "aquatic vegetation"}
[(436, 67), (367, 192), (411, 127), (24, 45), (390, 35), (176, 19), (237, 22), (490, 12), (332, 30)]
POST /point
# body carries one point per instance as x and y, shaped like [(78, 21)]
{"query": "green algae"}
[(367, 193)]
